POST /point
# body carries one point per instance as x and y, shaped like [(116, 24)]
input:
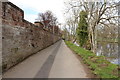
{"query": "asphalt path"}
[(56, 61)]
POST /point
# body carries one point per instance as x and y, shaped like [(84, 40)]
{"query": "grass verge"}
[(98, 64)]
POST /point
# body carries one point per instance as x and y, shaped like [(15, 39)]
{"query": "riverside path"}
[(56, 61)]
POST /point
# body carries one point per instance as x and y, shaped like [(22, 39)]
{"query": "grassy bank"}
[(98, 64)]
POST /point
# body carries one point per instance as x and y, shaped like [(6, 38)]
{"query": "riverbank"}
[(98, 64)]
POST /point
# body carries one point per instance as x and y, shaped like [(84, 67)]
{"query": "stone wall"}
[(0, 39), (21, 38)]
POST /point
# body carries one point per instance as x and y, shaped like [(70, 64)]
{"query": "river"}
[(110, 50)]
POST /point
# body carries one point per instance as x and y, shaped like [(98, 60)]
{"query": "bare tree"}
[(72, 19), (72, 28), (99, 13), (65, 33), (47, 19)]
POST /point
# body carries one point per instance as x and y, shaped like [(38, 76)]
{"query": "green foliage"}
[(98, 64), (82, 32)]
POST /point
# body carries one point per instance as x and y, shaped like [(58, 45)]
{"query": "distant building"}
[(37, 23), (47, 26)]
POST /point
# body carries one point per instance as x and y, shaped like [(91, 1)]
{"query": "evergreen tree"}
[(82, 31)]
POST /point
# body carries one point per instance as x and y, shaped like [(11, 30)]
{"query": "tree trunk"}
[(94, 42), (74, 40), (90, 37)]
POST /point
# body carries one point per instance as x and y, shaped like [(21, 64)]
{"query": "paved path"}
[(56, 61)]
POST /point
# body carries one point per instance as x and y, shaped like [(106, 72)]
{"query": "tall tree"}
[(65, 33), (82, 30), (47, 19), (99, 13)]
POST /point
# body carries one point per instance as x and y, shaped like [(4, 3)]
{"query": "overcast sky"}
[(33, 7)]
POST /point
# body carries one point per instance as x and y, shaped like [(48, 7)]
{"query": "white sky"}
[(33, 7)]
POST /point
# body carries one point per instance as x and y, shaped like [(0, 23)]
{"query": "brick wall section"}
[(20, 37)]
